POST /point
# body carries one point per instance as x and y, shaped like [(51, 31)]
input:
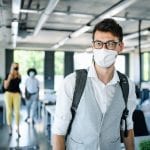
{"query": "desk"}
[(51, 109), (2, 104), (48, 119), (45, 98), (147, 119)]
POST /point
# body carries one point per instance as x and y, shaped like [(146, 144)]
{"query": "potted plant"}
[(145, 145)]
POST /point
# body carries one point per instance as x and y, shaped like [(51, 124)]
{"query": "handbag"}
[(27, 94)]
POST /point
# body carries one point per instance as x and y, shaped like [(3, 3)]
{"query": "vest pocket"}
[(76, 141), (74, 144), (113, 143), (115, 140)]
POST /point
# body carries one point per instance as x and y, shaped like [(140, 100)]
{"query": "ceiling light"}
[(50, 7), (81, 15), (55, 46), (80, 31), (14, 27), (114, 10), (74, 14), (127, 49), (135, 47), (89, 49), (16, 6), (108, 13), (59, 13), (145, 45), (30, 11), (119, 18), (14, 32), (14, 39), (62, 42), (135, 35)]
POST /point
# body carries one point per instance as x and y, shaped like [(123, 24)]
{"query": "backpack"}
[(81, 77)]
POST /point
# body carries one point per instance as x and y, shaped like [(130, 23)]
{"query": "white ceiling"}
[(67, 17)]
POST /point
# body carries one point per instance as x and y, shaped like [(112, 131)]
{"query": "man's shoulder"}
[(69, 81), (70, 76)]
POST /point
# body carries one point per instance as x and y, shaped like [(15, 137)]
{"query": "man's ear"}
[(121, 47), (92, 46)]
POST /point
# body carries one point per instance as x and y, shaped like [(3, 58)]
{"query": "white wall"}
[(134, 67), (82, 60)]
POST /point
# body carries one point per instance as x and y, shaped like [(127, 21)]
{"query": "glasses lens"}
[(111, 44), (98, 44)]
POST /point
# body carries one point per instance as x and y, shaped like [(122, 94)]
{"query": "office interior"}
[(55, 36)]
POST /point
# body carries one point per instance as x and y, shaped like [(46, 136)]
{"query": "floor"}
[(32, 136)]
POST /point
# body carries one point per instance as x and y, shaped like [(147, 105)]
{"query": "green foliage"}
[(146, 66), (145, 145), (29, 59)]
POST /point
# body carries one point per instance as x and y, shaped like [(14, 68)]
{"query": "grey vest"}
[(91, 129)]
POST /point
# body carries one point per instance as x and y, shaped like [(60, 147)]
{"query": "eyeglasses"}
[(111, 45)]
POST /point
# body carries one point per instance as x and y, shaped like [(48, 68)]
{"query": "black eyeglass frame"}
[(109, 47)]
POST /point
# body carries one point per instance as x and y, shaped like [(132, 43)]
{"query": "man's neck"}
[(104, 74)]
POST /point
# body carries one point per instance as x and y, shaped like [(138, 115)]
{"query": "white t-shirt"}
[(32, 85)]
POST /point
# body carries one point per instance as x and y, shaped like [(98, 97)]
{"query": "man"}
[(97, 122), (32, 88)]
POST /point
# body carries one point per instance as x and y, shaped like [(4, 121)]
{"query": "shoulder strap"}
[(81, 77), (125, 91), (124, 86)]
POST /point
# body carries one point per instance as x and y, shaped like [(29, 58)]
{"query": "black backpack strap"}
[(125, 91), (81, 77)]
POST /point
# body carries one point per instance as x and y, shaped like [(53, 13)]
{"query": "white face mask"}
[(104, 58), (31, 74)]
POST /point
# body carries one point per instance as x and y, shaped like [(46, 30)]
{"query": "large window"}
[(29, 59), (146, 66), (122, 63), (82, 60)]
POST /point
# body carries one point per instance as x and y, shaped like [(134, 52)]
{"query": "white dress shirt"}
[(103, 94)]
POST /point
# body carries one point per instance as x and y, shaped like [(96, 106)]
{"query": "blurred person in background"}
[(12, 96), (32, 95)]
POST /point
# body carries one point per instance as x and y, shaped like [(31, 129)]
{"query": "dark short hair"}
[(32, 70), (109, 25)]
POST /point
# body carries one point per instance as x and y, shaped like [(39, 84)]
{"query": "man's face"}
[(104, 37)]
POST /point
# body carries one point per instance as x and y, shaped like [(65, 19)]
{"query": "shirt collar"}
[(92, 74), (92, 71)]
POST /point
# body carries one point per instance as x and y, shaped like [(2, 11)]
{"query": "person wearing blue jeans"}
[(32, 87)]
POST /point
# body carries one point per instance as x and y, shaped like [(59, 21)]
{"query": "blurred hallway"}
[(32, 136)]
